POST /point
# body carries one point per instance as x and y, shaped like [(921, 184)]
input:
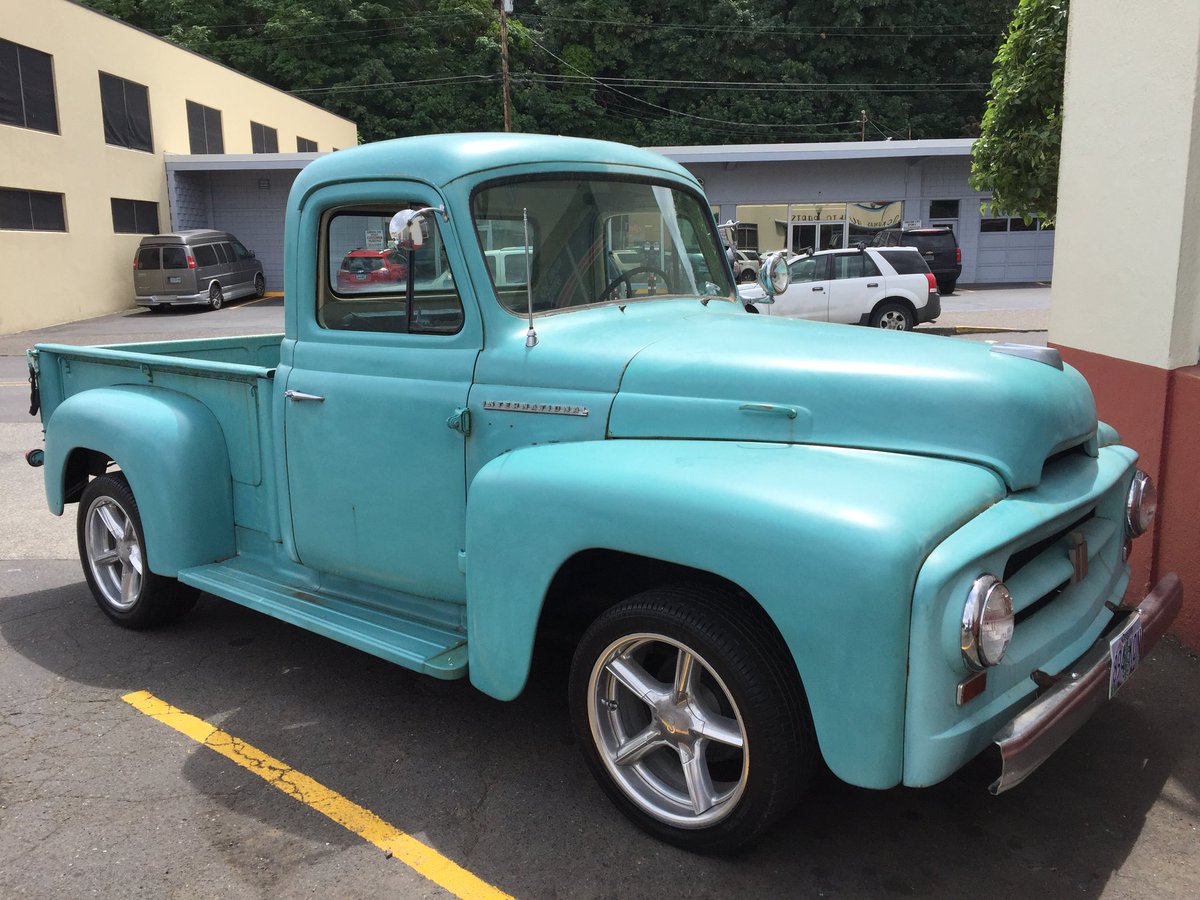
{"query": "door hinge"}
[(460, 421)]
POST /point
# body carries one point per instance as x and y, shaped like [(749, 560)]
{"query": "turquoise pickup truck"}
[(770, 542)]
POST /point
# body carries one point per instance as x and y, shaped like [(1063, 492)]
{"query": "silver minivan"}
[(188, 267)]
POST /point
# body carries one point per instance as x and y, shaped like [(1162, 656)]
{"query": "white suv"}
[(745, 265), (888, 287)]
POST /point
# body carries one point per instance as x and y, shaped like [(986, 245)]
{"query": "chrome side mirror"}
[(409, 229), (773, 274)]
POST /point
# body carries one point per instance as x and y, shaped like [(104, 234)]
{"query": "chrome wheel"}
[(668, 731), (893, 320), (114, 553), (216, 297)]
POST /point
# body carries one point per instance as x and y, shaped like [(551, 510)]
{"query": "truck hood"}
[(751, 378)]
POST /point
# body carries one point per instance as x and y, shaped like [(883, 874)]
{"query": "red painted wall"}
[(1157, 412)]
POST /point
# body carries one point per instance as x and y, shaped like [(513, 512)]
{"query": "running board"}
[(421, 646)]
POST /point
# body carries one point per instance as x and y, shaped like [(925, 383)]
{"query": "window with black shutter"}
[(27, 88), (32, 210), (134, 216), (263, 138), (304, 145), (126, 109), (204, 129)]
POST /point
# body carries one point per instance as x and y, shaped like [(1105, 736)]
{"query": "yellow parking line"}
[(417, 856)]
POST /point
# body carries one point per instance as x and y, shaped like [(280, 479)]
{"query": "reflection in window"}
[(369, 281)]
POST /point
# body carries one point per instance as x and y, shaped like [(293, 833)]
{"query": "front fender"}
[(171, 449), (828, 541)]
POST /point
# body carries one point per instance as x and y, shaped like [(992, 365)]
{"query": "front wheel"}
[(112, 548), (260, 286), (691, 716)]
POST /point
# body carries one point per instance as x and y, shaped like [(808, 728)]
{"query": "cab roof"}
[(442, 158)]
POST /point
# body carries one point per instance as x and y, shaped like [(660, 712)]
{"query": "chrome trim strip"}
[(552, 409), (1036, 732)]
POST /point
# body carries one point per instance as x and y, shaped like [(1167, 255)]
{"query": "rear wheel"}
[(260, 285), (216, 297), (893, 316), (947, 286), (690, 715), (112, 548)]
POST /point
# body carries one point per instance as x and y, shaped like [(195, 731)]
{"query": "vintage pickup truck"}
[(770, 542)]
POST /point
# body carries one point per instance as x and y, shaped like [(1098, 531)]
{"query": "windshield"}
[(598, 240)]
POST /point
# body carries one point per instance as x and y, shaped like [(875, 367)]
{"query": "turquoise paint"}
[(171, 449), (851, 481)]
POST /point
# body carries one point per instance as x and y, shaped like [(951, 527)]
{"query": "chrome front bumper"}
[(1031, 737)]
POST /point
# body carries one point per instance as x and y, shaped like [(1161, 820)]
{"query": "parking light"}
[(1141, 504)]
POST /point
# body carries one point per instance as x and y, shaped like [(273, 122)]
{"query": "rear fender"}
[(827, 541), (171, 449)]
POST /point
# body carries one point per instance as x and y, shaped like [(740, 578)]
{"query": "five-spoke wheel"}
[(112, 548), (691, 717)]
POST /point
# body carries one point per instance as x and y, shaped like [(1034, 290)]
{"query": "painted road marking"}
[(414, 854)]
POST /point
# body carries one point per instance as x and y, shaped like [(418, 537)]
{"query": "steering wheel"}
[(627, 277)]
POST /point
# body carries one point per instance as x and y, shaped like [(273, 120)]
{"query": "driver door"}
[(375, 477), (807, 294)]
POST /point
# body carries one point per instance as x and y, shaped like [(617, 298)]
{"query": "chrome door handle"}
[(872, 284), (299, 395), (818, 289)]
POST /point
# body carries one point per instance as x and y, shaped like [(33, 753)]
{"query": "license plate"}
[(174, 279), (360, 276), (1124, 651)]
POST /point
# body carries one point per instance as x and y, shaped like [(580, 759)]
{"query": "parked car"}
[(937, 244), (746, 265), (363, 269), (885, 288), (197, 266)]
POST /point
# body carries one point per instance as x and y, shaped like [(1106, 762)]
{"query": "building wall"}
[(252, 206), (915, 181), (1131, 140), (80, 165)]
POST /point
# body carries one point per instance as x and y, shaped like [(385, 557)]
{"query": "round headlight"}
[(1141, 505), (987, 623)]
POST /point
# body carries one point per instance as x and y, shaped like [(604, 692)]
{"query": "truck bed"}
[(231, 376)]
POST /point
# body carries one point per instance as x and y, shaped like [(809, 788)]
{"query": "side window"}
[(810, 268), (367, 283), (174, 258), (222, 253), (854, 265), (206, 255), (240, 251)]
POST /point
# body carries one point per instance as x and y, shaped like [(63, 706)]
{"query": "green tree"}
[(1016, 156)]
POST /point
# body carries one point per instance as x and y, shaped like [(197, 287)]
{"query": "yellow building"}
[(90, 111)]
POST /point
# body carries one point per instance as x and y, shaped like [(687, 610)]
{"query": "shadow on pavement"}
[(498, 787)]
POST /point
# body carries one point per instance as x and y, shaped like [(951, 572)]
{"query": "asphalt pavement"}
[(96, 798)]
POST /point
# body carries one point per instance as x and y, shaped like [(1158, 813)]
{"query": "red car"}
[(371, 267)]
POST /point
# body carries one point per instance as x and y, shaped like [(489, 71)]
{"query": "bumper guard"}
[(1036, 732)]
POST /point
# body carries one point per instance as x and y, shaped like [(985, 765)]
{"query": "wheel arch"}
[(172, 452)]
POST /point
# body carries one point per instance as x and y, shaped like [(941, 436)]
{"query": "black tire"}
[(216, 296), (947, 286), (893, 315), (745, 687), (751, 308), (260, 286), (157, 308), (112, 558)]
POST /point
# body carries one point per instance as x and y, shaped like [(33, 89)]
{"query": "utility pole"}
[(505, 9), (863, 113)]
